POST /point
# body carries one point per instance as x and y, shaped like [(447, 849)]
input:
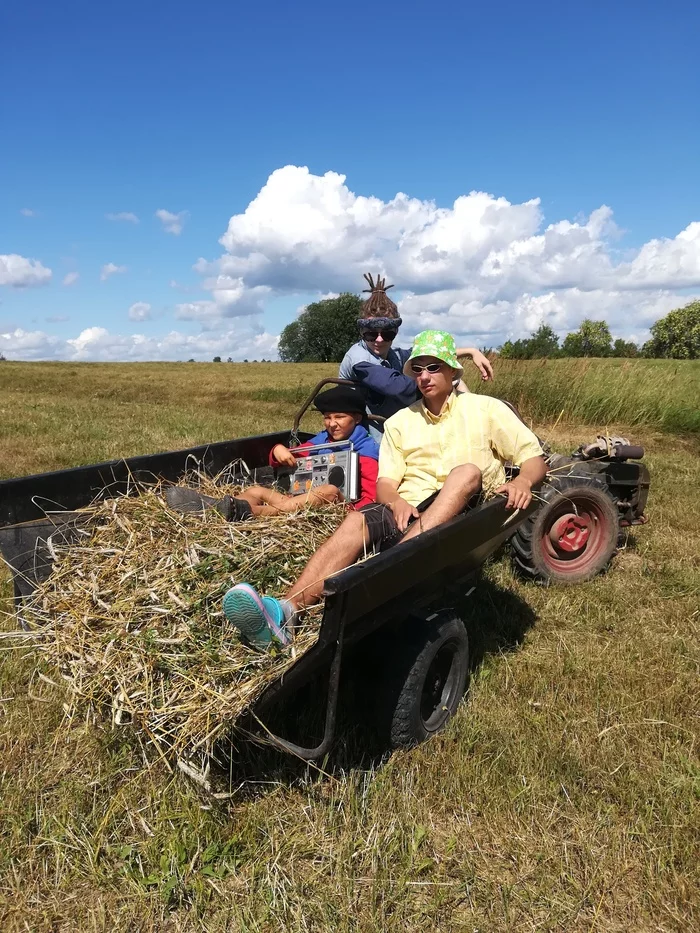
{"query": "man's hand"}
[(387, 494), (519, 492), (482, 363), (284, 456), (403, 512)]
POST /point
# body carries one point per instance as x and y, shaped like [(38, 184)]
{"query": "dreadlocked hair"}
[(378, 304)]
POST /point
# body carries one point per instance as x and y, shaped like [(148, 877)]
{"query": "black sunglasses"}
[(373, 334)]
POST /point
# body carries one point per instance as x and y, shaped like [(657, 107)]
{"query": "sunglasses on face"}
[(373, 334), (417, 369)]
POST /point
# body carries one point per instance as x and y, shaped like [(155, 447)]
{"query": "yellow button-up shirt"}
[(419, 449)]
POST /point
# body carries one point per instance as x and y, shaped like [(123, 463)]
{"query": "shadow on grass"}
[(496, 620)]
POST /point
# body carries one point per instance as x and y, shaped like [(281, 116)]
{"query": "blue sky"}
[(135, 108)]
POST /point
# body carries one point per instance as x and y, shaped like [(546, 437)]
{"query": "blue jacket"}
[(365, 445), (388, 390)]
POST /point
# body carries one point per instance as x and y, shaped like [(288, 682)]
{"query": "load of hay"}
[(131, 615)]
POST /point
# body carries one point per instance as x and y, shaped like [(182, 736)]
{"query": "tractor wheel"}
[(572, 536), (426, 682)]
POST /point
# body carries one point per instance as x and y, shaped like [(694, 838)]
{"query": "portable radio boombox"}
[(336, 464)]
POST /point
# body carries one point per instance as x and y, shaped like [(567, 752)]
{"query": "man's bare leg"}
[(341, 550), (267, 502), (261, 620), (461, 484), (347, 544)]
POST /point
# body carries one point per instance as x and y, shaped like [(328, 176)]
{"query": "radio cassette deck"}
[(337, 464)]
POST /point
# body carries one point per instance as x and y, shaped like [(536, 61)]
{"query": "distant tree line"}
[(676, 336), (325, 329), (217, 359), (593, 338)]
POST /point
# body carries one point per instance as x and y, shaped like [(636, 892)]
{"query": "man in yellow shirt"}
[(434, 457)]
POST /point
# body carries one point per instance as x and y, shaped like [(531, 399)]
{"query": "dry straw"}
[(131, 616)]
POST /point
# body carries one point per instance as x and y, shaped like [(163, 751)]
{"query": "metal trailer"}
[(568, 533)]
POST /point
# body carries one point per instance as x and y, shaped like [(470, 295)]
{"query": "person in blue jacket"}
[(377, 365)]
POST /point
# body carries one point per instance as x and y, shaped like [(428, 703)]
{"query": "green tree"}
[(591, 339), (542, 343), (513, 350), (677, 335), (217, 359), (323, 332), (625, 348)]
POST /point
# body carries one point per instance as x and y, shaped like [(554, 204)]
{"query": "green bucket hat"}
[(437, 343)]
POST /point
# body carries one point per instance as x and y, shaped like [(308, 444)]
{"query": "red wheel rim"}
[(576, 533)]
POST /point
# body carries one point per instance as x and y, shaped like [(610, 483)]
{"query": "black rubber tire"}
[(532, 556), (426, 682)]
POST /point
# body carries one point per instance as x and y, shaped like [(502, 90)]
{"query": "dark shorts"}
[(382, 530)]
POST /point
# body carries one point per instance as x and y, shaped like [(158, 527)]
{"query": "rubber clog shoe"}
[(259, 619)]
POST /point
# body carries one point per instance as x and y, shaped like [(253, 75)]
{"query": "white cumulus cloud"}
[(19, 272), (123, 216), (172, 223), (230, 298), (110, 269), (99, 344), (30, 345), (71, 278), (482, 266), (27, 212), (140, 311)]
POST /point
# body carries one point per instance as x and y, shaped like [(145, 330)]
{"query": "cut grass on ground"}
[(565, 795)]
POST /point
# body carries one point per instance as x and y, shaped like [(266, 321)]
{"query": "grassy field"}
[(54, 415), (663, 394), (565, 795)]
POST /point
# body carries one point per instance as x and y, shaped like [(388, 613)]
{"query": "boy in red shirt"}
[(343, 410)]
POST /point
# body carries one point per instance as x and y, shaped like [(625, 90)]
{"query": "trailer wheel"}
[(572, 536), (427, 681)]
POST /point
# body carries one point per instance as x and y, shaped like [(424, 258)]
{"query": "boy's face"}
[(379, 339), (432, 384), (340, 425)]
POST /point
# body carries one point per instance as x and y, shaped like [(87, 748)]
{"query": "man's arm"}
[(482, 363), (519, 490), (345, 368), (392, 468), (387, 494), (512, 440), (386, 381)]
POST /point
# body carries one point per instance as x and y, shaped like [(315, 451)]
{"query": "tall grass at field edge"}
[(663, 394)]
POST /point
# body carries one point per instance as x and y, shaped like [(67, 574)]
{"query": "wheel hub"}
[(570, 533)]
